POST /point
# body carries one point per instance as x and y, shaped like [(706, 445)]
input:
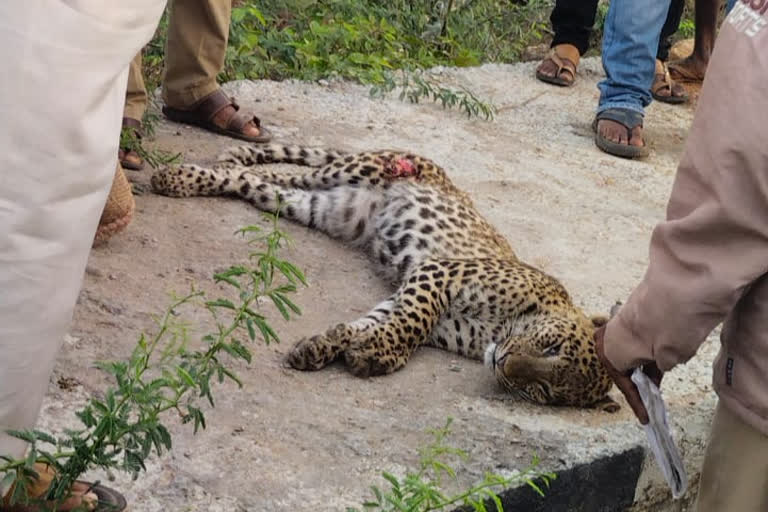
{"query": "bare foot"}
[(617, 132), (689, 69)]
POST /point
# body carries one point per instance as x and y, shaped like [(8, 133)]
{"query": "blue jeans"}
[(729, 5), (630, 40)]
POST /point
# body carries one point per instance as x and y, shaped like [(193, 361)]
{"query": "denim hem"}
[(628, 106)]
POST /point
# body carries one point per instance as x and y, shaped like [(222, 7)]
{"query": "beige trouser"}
[(735, 472), (194, 55), (65, 61)]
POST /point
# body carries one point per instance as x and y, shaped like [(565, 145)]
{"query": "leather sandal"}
[(203, 113), (129, 158), (662, 81), (566, 58)]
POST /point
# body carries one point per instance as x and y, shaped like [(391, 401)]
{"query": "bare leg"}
[(693, 67)]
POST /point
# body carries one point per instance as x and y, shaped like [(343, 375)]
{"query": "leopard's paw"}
[(369, 360), (318, 351)]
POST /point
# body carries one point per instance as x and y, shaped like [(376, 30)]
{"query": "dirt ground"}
[(316, 441)]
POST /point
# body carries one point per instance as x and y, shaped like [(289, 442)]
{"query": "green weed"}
[(422, 490), (124, 425)]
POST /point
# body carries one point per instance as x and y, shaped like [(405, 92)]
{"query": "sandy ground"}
[(316, 441)]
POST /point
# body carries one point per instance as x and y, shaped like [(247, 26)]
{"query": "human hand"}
[(624, 382)]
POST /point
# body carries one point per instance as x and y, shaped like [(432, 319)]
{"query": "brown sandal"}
[(562, 56), (662, 81), (205, 110), (129, 158)]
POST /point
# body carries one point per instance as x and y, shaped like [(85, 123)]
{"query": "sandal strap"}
[(662, 80), (562, 63), (208, 107), (134, 124), (238, 121), (215, 102)]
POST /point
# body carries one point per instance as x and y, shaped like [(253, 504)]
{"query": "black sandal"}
[(630, 119)]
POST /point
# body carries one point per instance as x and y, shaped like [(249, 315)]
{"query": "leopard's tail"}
[(252, 154)]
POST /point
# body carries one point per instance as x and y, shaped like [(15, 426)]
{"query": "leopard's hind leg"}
[(345, 212), (253, 154), (333, 168)]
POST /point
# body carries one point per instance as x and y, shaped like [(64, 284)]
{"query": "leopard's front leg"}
[(386, 345), (320, 350), (481, 295)]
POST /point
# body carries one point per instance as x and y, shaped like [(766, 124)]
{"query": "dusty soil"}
[(316, 441)]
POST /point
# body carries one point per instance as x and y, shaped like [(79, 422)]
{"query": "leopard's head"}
[(550, 359)]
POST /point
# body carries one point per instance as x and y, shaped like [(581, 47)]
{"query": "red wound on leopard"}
[(404, 167)]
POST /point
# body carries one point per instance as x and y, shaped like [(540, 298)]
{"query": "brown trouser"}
[(194, 55), (735, 472)]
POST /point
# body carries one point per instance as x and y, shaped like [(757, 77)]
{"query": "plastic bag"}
[(659, 435)]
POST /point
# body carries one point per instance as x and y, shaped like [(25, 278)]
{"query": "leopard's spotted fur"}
[(461, 287)]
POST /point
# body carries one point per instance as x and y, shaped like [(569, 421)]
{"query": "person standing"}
[(709, 264), (59, 144)]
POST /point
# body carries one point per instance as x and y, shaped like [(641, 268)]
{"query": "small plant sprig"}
[(414, 87), (421, 491), (122, 428)]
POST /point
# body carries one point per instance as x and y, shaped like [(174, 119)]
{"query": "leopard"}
[(458, 285)]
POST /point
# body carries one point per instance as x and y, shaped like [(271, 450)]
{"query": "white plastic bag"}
[(659, 436)]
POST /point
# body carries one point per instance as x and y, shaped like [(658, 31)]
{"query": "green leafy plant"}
[(414, 87), (367, 40), (422, 490), (123, 427)]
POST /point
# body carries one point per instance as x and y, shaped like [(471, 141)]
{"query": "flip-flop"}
[(563, 64), (202, 114), (663, 81), (630, 119)]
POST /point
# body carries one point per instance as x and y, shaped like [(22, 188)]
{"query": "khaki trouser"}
[(194, 56), (735, 472)]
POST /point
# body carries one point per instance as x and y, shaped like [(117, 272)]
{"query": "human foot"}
[(664, 88), (619, 132), (689, 69), (128, 157)]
